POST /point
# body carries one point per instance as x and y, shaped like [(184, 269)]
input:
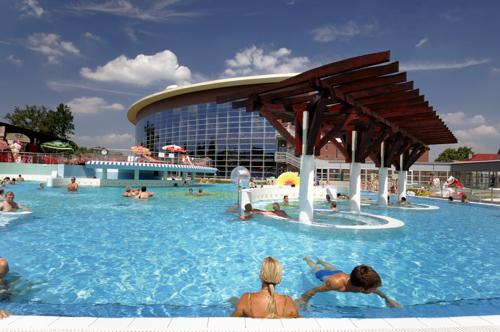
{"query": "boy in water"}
[(363, 279)]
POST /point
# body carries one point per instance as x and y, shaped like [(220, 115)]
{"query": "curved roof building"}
[(189, 116)]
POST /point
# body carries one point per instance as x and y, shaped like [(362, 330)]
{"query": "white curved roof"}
[(197, 87)]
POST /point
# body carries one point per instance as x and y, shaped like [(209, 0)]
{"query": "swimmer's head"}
[(276, 207), (143, 188), (365, 278), (248, 207), (4, 267), (128, 189), (73, 179), (333, 205)]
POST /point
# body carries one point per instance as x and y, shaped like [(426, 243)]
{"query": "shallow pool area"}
[(95, 253)]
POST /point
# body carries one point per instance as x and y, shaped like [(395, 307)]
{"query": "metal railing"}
[(287, 158), (58, 158)]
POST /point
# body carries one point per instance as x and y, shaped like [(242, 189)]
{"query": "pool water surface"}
[(95, 253)]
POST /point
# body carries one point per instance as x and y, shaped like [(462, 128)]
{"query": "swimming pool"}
[(95, 253)]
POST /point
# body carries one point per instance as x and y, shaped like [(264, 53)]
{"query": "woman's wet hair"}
[(270, 274)]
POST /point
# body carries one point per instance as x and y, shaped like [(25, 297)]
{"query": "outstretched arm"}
[(304, 298), (388, 301), (3, 314)]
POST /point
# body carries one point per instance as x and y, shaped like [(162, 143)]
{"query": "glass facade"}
[(229, 137)]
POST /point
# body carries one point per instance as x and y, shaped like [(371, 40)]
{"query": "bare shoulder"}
[(337, 282)]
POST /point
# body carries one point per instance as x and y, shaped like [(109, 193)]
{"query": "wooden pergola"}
[(366, 94)]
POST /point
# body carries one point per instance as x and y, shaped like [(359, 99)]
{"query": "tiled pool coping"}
[(88, 324)]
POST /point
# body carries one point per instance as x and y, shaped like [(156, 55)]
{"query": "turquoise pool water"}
[(95, 253)]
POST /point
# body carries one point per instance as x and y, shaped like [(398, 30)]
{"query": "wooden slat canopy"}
[(364, 93)]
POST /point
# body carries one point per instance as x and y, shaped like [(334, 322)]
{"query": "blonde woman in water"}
[(267, 303)]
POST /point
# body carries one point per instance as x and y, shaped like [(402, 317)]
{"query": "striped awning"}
[(149, 166)]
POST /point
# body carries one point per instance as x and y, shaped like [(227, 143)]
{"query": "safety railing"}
[(58, 158), (287, 158)]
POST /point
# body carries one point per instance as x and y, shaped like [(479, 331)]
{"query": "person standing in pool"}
[(363, 279), (72, 185), (144, 194), (9, 205)]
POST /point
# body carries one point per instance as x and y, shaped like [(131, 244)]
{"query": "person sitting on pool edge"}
[(266, 303), (72, 185), (363, 279), (144, 194), (9, 205)]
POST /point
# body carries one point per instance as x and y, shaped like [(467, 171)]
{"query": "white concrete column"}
[(355, 178), (104, 174), (306, 198), (383, 182), (402, 180), (306, 204)]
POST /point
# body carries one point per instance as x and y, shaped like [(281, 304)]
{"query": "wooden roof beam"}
[(361, 74), (399, 103), (369, 83), (390, 97), (381, 90)]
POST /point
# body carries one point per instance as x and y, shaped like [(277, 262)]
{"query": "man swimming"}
[(363, 279)]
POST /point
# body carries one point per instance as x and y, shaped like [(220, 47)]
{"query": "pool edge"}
[(58, 323)]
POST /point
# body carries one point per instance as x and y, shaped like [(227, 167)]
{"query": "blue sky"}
[(101, 56)]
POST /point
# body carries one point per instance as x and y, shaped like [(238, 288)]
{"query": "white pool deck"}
[(76, 324)]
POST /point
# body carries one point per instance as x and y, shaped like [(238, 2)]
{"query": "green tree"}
[(60, 122), (32, 117), (38, 118), (461, 153)]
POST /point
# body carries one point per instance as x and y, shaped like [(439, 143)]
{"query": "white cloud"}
[(495, 70), (91, 36), (347, 31), (459, 119), (476, 131), (131, 34), (159, 11), (412, 66), (421, 42), (32, 8), (14, 60), (142, 70), (4, 42), (92, 105), (254, 60), (112, 140), (51, 45)]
